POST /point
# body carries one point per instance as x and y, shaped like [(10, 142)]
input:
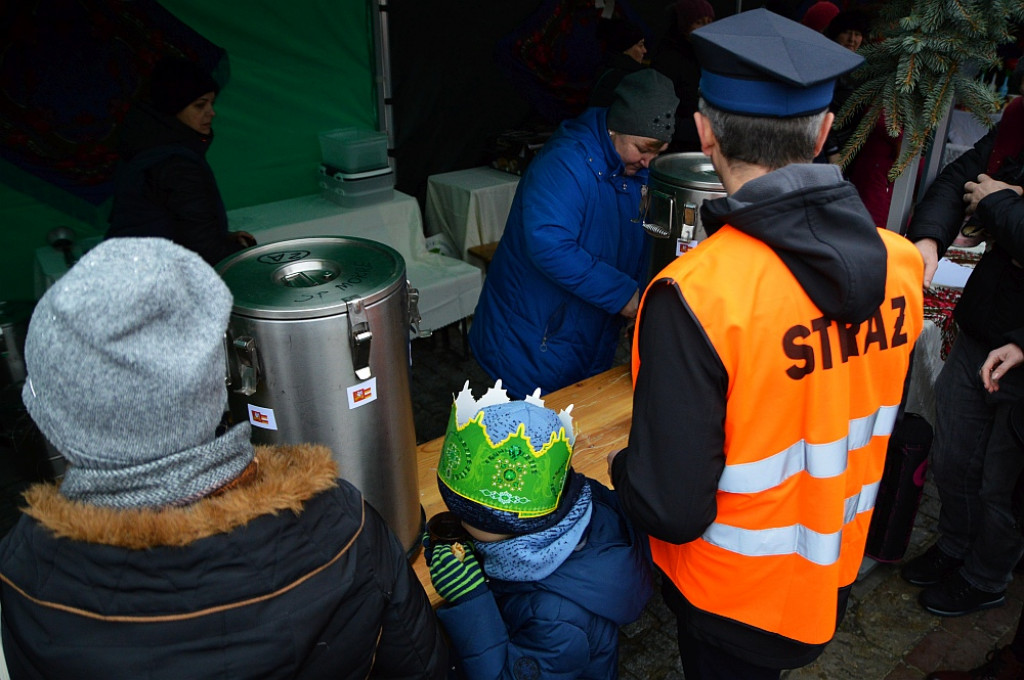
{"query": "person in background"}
[(975, 457), (173, 548), (758, 516), (551, 567), (869, 169), (164, 186), (849, 28), (675, 58), (567, 273), (1004, 663), (625, 47)]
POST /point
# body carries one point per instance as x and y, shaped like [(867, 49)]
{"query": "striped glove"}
[(454, 579)]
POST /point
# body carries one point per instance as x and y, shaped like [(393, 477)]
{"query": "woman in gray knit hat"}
[(171, 549), (568, 272)]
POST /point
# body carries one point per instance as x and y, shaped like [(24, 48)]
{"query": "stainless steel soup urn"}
[(679, 183), (318, 351)]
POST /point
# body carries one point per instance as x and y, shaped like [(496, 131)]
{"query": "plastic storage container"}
[(357, 189), (352, 150)]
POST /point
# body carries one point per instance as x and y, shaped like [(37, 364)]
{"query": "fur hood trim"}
[(288, 476)]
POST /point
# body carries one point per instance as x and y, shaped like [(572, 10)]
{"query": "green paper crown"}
[(512, 475)]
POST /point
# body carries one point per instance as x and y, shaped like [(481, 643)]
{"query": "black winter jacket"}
[(992, 304), (165, 187), (290, 576)]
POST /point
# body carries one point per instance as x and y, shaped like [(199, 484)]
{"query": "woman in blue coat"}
[(572, 260)]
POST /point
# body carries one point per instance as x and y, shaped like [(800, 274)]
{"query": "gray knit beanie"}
[(126, 366), (644, 104)]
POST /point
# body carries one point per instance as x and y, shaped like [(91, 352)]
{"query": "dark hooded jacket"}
[(565, 625), (289, 576), (992, 304), (817, 225), (616, 67), (676, 58), (165, 187)]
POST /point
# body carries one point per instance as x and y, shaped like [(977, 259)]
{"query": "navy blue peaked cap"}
[(758, 63)]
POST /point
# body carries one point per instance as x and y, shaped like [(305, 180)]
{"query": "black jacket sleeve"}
[(939, 214), (191, 195), (1016, 337), (667, 476), (411, 644), (1002, 213)]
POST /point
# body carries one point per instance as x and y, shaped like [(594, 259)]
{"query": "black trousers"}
[(702, 661)]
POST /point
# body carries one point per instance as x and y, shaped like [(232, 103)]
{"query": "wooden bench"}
[(484, 252)]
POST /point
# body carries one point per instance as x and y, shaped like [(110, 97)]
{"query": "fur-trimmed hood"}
[(287, 575), (287, 477)]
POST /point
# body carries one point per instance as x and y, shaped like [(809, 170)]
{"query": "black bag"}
[(899, 493)]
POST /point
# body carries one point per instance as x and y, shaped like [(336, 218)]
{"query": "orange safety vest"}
[(810, 406)]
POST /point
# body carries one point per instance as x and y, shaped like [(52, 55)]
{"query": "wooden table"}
[(603, 406)]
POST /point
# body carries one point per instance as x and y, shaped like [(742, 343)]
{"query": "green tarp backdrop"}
[(296, 69)]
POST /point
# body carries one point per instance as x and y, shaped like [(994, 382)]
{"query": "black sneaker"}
[(930, 568), (956, 597)]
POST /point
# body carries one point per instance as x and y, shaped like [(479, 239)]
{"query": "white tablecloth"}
[(448, 288), (50, 263), (469, 206), (923, 371)]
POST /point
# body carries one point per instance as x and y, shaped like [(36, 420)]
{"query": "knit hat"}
[(126, 376), (504, 465), (618, 35), (176, 83), (849, 19), (689, 11), (644, 104), (819, 15)]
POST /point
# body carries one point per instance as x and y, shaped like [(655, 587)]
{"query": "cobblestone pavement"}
[(885, 635)]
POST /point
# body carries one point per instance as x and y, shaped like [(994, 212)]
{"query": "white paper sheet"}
[(951, 274)]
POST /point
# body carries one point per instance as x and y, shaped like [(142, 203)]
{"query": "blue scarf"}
[(532, 557)]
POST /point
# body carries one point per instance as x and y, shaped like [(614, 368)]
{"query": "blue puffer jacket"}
[(570, 258), (567, 624)]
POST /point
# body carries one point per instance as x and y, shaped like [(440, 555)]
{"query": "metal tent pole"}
[(903, 193), (903, 188), (382, 73), (933, 161)]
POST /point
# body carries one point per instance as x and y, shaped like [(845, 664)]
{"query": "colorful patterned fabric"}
[(554, 57), (939, 302)]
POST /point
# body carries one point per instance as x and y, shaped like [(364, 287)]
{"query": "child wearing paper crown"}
[(553, 568)]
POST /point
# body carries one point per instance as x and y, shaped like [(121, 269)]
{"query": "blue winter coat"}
[(570, 258), (567, 624)]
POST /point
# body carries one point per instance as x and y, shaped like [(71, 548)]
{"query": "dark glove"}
[(455, 580)]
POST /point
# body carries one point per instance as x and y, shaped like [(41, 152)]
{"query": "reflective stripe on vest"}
[(794, 539), (818, 460)]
